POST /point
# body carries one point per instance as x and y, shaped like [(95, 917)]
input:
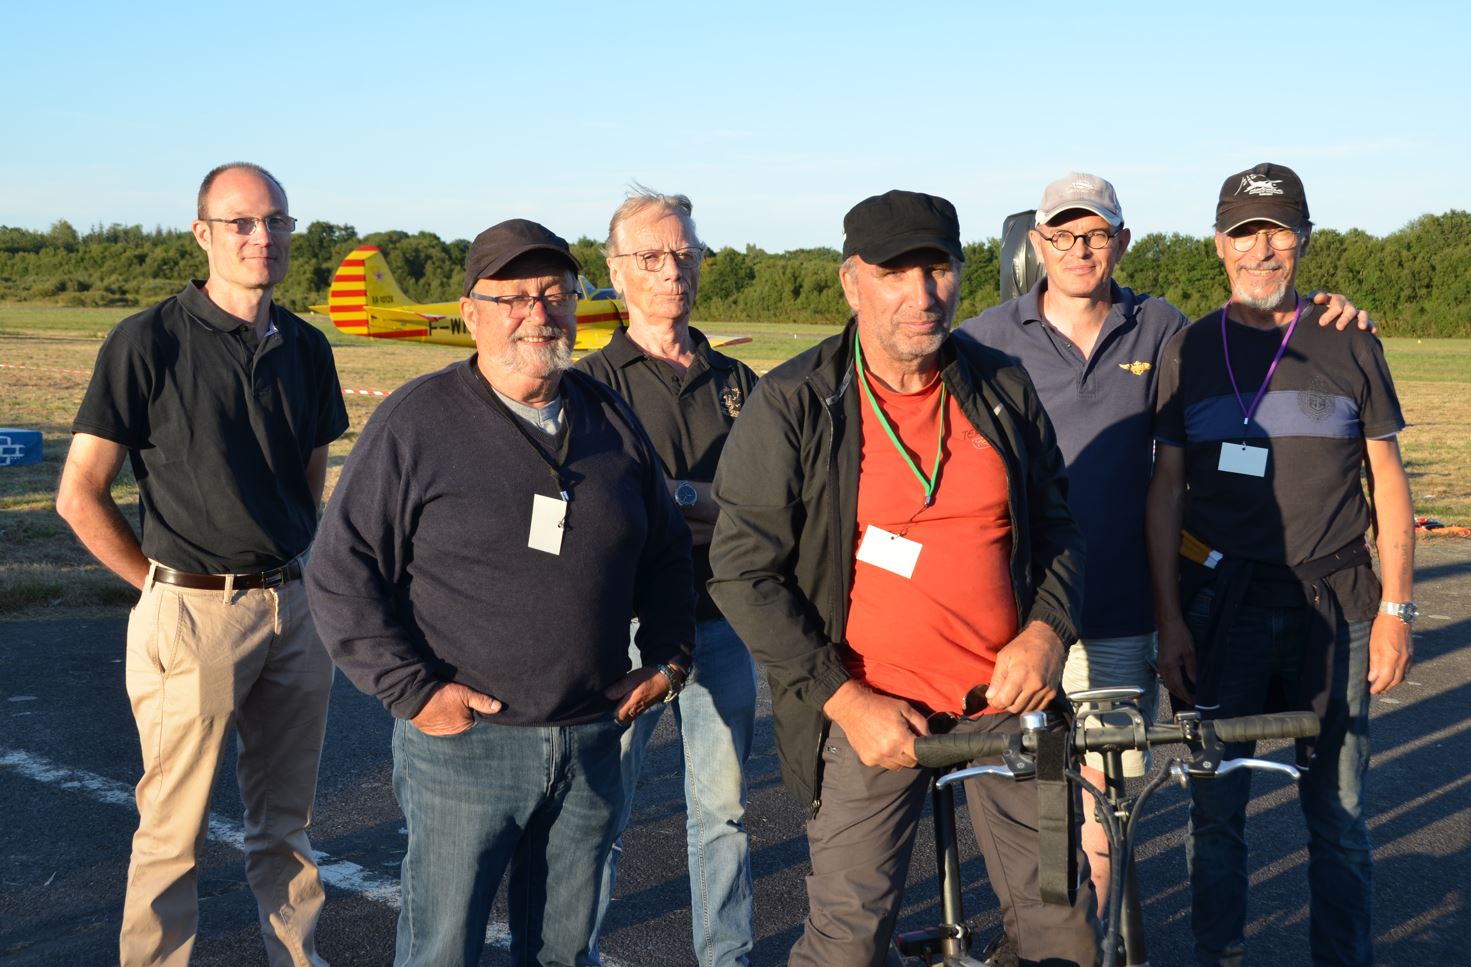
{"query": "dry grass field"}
[(46, 355)]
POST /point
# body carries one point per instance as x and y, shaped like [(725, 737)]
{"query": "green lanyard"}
[(934, 477)]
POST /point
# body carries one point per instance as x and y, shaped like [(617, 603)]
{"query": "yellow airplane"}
[(364, 300)]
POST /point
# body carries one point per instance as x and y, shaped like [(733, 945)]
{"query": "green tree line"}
[(1416, 281)]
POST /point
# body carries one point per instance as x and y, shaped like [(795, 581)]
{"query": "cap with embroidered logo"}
[(1265, 193)]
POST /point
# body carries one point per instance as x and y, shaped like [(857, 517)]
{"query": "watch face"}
[(1406, 612), (685, 495)]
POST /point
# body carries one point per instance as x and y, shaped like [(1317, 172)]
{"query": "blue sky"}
[(774, 117)]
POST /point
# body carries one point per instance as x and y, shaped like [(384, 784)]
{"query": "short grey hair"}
[(202, 202), (642, 198)]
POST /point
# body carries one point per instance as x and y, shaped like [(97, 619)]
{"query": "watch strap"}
[(1403, 610), (676, 677)]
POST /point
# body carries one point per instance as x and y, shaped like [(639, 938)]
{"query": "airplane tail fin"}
[(362, 280)]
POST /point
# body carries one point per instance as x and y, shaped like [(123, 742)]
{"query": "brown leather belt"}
[(273, 578)]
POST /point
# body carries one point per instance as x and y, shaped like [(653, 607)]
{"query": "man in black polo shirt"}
[(225, 403), (687, 395)]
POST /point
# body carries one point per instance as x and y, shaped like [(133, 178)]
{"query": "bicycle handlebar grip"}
[(942, 751), (1250, 728)]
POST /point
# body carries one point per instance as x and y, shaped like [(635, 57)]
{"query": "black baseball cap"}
[(886, 226), (1265, 193), (499, 245)]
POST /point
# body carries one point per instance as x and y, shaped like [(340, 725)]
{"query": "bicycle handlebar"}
[(1283, 725), (943, 751)]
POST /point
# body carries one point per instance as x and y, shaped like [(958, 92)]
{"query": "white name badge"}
[(1242, 459), (889, 551), (548, 514)]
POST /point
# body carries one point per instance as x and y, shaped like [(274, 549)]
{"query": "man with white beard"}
[(1264, 592), (496, 524)]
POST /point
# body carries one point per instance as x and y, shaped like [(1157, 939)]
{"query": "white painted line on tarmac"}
[(341, 874)]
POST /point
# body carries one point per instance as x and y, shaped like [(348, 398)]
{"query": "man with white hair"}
[(688, 396)]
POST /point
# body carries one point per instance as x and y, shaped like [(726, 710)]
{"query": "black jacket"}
[(788, 492)]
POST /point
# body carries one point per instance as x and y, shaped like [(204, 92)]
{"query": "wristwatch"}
[(685, 494), (1406, 612), (676, 677)]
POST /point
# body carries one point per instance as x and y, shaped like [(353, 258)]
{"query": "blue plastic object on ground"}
[(19, 447)]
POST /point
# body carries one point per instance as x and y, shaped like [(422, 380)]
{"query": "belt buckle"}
[(273, 578)]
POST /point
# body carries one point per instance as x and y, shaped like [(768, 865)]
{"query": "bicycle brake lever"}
[(1262, 765), (1207, 769), (960, 775)]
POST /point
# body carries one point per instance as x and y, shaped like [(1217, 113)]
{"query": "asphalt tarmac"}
[(69, 759)]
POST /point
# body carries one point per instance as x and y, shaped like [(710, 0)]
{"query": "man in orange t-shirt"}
[(894, 531)]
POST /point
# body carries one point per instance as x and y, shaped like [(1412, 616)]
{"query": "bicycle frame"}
[(950, 941)]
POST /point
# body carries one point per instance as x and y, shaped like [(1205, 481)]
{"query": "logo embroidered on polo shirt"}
[(1316, 401), (730, 398), (1138, 367)]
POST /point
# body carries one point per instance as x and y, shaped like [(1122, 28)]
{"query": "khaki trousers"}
[(198, 664)]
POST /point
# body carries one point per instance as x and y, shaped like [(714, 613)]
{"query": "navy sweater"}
[(421, 573)]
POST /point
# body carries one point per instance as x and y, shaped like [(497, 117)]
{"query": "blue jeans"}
[(541, 801), (716, 716), (1266, 644)]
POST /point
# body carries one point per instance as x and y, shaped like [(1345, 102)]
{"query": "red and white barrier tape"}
[(45, 369), (88, 372)]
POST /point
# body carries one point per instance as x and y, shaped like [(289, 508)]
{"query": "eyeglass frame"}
[(1270, 233), (643, 255), (257, 222), (1107, 235), (508, 302)]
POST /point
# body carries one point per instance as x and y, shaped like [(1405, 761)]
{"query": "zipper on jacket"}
[(835, 522)]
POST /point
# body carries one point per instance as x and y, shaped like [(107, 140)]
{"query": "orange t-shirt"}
[(933, 636)]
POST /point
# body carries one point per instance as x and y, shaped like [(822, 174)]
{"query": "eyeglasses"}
[(275, 224), (653, 260), (1280, 239), (519, 306), (1064, 240)]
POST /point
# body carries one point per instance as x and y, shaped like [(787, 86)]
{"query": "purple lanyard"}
[(1226, 351)]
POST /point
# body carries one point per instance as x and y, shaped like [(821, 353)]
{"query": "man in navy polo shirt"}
[(1091, 347)]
